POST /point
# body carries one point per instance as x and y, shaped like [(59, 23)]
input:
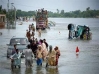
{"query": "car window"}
[(23, 41), (18, 41)]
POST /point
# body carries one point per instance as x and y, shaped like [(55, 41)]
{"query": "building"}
[(2, 20)]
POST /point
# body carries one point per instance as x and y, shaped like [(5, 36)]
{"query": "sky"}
[(51, 5)]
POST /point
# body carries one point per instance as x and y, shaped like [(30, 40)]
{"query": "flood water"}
[(86, 63)]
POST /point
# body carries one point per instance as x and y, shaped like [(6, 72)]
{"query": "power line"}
[(31, 6), (2, 1), (28, 6)]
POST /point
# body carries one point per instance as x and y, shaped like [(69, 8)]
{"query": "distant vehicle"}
[(51, 23), (20, 23), (41, 19), (21, 43)]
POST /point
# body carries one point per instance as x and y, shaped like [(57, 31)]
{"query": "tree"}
[(77, 13), (58, 11), (88, 8), (0, 8), (62, 11)]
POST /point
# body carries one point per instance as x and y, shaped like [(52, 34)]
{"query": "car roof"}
[(18, 38)]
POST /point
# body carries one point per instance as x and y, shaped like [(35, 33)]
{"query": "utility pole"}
[(14, 13), (8, 13)]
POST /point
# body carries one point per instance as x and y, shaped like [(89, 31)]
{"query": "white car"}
[(21, 45)]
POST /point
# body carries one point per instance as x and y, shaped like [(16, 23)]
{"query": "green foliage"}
[(2, 11), (88, 13), (61, 13), (24, 13), (11, 16)]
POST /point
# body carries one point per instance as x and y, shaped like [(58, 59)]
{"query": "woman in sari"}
[(57, 54), (39, 55), (51, 57)]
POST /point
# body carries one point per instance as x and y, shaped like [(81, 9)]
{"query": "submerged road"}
[(87, 62)]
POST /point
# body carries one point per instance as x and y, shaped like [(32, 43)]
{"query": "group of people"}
[(42, 52), (38, 49), (30, 32)]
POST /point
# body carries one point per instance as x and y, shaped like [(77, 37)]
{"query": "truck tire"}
[(36, 28), (19, 66), (43, 28)]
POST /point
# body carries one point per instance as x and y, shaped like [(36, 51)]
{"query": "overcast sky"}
[(52, 5)]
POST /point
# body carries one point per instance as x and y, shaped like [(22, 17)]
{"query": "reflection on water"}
[(39, 70), (52, 70), (28, 71), (77, 55), (16, 71), (48, 70), (36, 70)]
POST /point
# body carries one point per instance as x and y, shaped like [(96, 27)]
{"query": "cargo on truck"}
[(41, 19)]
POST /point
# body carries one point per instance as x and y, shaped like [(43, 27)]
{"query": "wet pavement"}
[(87, 62)]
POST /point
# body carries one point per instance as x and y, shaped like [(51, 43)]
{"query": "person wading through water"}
[(28, 35), (28, 57), (51, 57), (39, 55), (57, 54)]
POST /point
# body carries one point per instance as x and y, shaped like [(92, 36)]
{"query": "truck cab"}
[(41, 19), (40, 24)]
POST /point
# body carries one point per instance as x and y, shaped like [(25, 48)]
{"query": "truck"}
[(41, 19), (81, 31)]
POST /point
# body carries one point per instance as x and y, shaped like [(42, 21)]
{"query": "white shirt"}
[(28, 54)]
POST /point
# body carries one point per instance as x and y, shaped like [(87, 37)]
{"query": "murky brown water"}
[(86, 63)]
